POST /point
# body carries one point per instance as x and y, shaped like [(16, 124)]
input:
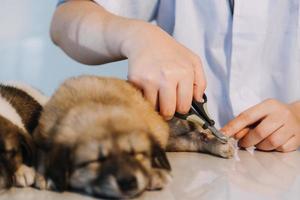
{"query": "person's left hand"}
[(270, 125)]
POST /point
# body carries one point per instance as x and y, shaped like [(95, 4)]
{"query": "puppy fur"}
[(100, 136), (19, 113)]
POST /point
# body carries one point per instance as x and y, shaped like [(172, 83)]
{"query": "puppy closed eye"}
[(141, 156), (86, 163), (9, 154)]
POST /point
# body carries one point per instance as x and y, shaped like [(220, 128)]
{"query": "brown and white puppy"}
[(20, 108), (99, 136)]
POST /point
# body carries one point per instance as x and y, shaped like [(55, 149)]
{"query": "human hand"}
[(168, 74), (270, 125)]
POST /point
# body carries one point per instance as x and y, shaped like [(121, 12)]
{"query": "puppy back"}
[(25, 106), (104, 91)]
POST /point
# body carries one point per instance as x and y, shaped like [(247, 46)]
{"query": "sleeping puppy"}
[(20, 108), (99, 136)]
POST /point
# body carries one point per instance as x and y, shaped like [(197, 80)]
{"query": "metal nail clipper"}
[(199, 114)]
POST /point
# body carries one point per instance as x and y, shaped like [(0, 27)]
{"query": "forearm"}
[(90, 34)]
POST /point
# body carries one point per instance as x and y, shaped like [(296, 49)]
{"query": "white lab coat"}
[(249, 55)]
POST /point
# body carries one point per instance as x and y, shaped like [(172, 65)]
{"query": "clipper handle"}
[(201, 108)]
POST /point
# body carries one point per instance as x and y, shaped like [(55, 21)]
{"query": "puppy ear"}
[(159, 157), (40, 139), (58, 166), (27, 148)]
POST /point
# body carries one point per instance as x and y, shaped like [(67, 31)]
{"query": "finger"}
[(275, 140), (184, 95), (151, 95), (199, 81), (167, 100), (248, 117), (291, 145), (265, 128), (241, 133)]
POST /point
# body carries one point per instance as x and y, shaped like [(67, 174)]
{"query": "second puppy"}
[(20, 108)]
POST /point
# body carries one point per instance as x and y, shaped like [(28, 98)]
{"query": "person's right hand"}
[(169, 74)]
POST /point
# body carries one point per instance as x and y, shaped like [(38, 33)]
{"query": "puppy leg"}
[(42, 183), (159, 178), (189, 137), (6, 180), (24, 176)]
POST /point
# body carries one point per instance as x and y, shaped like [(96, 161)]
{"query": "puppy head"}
[(16, 147), (106, 155)]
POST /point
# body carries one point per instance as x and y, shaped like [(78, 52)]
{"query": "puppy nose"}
[(127, 183)]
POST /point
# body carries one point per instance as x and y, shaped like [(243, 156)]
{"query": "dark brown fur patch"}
[(26, 106), (58, 166), (21, 141), (6, 173)]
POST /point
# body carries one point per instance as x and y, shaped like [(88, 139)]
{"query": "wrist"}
[(137, 37), (295, 106)]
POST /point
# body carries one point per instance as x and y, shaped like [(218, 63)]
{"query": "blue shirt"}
[(250, 49)]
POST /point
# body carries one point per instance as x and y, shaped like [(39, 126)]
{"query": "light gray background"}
[(27, 53)]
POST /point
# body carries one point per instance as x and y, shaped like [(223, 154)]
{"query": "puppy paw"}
[(24, 176), (226, 151), (40, 182), (43, 184), (159, 179), (223, 150)]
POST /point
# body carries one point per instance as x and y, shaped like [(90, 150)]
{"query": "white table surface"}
[(199, 176)]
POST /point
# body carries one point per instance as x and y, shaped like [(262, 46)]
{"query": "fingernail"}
[(224, 132), (167, 118), (199, 99)]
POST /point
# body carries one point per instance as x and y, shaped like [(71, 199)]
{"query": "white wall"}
[(27, 53)]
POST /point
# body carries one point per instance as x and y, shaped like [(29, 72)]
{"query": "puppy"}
[(20, 108), (100, 136)]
